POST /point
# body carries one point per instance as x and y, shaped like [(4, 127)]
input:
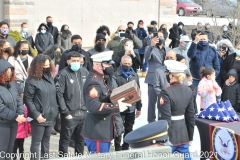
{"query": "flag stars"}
[(217, 117), (211, 109), (209, 116)]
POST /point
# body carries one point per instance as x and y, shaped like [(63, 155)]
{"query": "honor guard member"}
[(99, 127), (177, 108), (69, 86)]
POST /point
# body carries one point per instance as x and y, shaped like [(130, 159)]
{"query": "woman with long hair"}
[(64, 37), (40, 99), (11, 109), (6, 50)]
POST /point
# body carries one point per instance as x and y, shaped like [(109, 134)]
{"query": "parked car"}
[(188, 7), (218, 8)]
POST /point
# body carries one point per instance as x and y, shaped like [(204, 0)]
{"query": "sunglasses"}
[(121, 30)]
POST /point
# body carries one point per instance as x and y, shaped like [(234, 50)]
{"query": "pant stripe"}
[(98, 146)]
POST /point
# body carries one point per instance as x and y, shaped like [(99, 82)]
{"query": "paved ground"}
[(142, 120)]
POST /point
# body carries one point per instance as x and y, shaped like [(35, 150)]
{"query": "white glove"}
[(123, 106), (69, 116), (190, 143)]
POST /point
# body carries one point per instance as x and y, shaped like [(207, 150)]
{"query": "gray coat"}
[(160, 80), (65, 43), (183, 52), (10, 40), (155, 60), (42, 41)]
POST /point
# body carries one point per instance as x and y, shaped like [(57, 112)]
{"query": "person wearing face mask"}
[(101, 124), (52, 29), (6, 49), (43, 39), (201, 54), (130, 29), (232, 61), (117, 43), (209, 33), (26, 34), (130, 52), (123, 75), (154, 23), (163, 29), (12, 110), (21, 60), (155, 54), (226, 33), (76, 42), (183, 48), (182, 31), (105, 31), (4, 30), (69, 85), (64, 37), (174, 35), (40, 99)]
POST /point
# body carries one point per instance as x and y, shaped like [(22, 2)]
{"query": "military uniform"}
[(99, 126), (177, 108)]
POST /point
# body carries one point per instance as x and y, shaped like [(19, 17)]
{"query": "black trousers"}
[(69, 127), (40, 135), (7, 139), (18, 145), (128, 121), (141, 59)]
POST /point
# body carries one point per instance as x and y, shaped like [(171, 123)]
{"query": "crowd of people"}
[(67, 89)]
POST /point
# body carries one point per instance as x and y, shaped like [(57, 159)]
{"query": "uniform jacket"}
[(177, 100), (99, 122), (202, 57), (24, 129), (11, 104), (63, 60), (160, 80), (70, 90), (155, 60), (232, 92), (10, 40), (117, 45), (121, 80), (203, 91), (65, 43), (42, 41), (21, 72), (40, 98)]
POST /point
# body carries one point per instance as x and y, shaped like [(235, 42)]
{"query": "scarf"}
[(126, 74)]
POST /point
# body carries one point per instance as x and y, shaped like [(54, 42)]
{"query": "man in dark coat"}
[(52, 29), (99, 127), (70, 82), (125, 74)]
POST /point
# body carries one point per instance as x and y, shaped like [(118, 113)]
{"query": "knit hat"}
[(100, 36), (153, 22), (180, 57), (180, 23)]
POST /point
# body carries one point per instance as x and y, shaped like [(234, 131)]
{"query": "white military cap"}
[(175, 66), (105, 57), (185, 38)]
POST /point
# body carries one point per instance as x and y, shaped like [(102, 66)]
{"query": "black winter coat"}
[(54, 32), (70, 90), (121, 80), (232, 92), (11, 104), (174, 33), (40, 98), (42, 41)]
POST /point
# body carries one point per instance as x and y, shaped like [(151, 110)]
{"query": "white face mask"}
[(189, 83), (127, 48)]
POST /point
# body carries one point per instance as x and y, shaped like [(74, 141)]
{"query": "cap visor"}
[(168, 143)]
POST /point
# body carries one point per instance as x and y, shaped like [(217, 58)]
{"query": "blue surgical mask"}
[(75, 66), (43, 31), (127, 48), (186, 45), (225, 29), (203, 43), (237, 52), (25, 30)]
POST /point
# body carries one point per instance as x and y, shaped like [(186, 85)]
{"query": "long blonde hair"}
[(179, 76)]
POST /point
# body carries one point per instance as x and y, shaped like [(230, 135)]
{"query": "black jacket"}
[(54, 31), (174, 32), (63, 60), (99, 123), (70, 90), (11, 104), (40, 98), (42, 41), (121, 80), (232, 92), (210, 36)]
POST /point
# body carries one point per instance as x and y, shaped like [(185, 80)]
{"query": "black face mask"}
[(24, 52), (126, 68), (161, 41), (108, 70), (7, 50), (46, 71), (130, 28), (77, 47), (49, 24), (99, 47)]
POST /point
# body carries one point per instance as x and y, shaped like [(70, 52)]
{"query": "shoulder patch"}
[(161, 101), (93, 93)]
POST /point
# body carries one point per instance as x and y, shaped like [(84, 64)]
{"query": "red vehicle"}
[(188, 7)]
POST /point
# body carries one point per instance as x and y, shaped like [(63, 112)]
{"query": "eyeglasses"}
[(121, 30)]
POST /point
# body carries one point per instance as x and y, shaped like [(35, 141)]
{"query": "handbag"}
[(20, 82)]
